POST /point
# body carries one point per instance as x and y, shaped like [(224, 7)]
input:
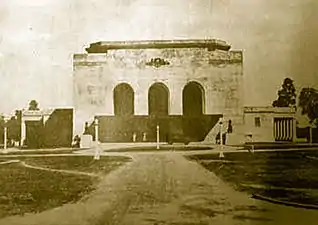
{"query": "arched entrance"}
[(193, 99), (158, 100), (158, 110), (123, 100)]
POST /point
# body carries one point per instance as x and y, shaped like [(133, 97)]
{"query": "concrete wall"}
[(265, 132), (219, 72), (58, 129)]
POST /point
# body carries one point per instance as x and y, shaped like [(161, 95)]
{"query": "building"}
[(50, 128), (184, 86), (270, 124)]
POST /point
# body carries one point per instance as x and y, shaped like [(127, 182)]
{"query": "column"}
[(141, 97), (284, 128), (278, 129), (275, 129), (96, 130), (175, 103), (23, 132), (288, 129), (281, 129), (294, 136)]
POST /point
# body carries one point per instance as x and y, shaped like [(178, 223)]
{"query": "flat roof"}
[(211, 44), (268, 109)]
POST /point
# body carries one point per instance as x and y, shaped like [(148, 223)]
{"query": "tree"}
[(286, 95), (308, 101), (14, 127), (2, 124), (33, 105)]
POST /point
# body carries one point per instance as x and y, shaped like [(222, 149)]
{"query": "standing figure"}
[(86, 128), (76, 142), (230, 127), (144, 136), (134, 137), (218, 139)]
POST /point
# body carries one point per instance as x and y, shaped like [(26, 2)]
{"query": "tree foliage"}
[(2, 124), (33, 105), (14, 126), (308, 101), (286, 95)]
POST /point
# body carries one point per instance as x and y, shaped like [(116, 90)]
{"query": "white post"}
[(5, 138), (144, 136), (221, 135), (23, 131), (96, 130), (97, 153), (310, 134), (134, 137), (221, 155), (158, 136), (252, 150)]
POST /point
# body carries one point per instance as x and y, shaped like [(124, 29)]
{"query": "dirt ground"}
[(165, 188)]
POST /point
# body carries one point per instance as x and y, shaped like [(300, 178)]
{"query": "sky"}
[(38, 37)]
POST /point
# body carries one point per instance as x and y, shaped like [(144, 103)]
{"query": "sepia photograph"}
[(158, 112)]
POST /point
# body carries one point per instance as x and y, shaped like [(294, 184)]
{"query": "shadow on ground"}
[(161, 148)]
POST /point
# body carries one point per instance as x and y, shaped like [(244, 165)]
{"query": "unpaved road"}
[(165, 188)]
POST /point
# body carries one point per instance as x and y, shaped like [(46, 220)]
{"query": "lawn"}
[(24, 190), (286, 175)]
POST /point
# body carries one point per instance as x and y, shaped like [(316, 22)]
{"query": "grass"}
[(24, 190), (287, 175)]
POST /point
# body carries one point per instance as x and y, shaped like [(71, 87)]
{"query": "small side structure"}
[(270, 124), (50, 128)]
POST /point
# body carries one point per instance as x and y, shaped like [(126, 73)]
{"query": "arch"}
[(158, 99), (193, 99), (124, 98)]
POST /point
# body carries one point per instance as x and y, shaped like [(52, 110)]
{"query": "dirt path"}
[(165, 188)]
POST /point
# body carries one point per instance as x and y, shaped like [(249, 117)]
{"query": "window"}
[(257, 121)]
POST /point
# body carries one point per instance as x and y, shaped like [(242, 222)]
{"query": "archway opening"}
[(123, 100), (158, 100), (193, 99)]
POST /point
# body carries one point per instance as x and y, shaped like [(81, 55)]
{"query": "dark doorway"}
[(158, 100), (193, 99), (33, 137), (123, 100)]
